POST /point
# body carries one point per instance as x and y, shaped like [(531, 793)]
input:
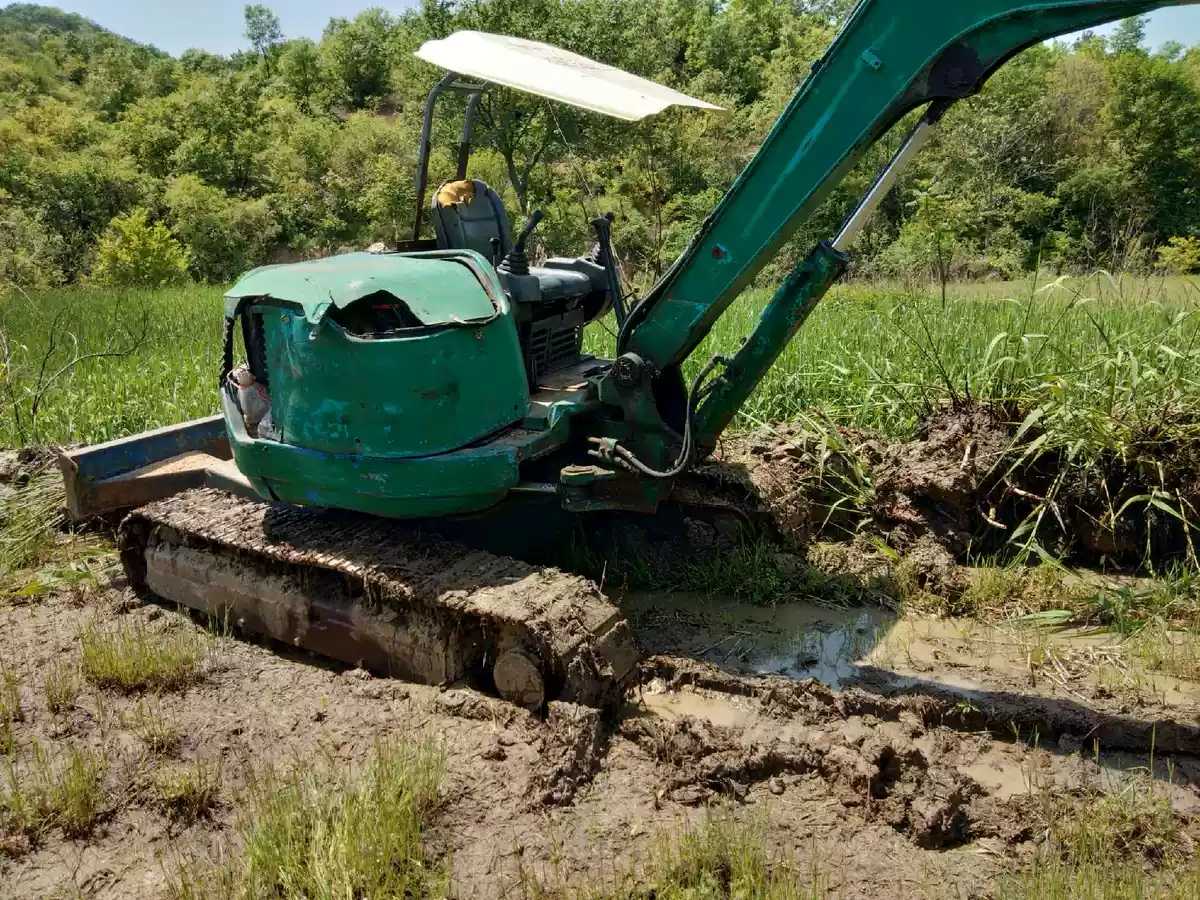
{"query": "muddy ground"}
[(886, 755), (900, 758)]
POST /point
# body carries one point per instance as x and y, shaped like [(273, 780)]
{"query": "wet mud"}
[(902, 758)]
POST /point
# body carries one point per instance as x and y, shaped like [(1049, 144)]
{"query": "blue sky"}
[(217, 25), (214, 25)]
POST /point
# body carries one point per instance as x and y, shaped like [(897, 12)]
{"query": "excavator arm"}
[(892, 57)]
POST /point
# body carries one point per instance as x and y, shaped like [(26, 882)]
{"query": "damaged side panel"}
[(377, 358), (391, 396)]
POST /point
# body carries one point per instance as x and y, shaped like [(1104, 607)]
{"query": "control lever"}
[(602, 225), (516, 262)]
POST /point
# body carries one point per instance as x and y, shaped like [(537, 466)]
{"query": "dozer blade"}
[(377, 593)]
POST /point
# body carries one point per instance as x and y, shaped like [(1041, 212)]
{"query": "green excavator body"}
[(386, 373)]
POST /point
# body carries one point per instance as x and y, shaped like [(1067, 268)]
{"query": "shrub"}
[(135, 253), (224, 235), (1180, 256), (28, 250)]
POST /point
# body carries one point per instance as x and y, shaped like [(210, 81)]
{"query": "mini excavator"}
[(367, 395)]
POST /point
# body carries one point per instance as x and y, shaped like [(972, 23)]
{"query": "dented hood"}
[(447, 289)]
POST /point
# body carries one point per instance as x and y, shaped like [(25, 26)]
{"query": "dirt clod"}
[(572, 751)]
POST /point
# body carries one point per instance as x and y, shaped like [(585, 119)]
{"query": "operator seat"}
[(469, 215)]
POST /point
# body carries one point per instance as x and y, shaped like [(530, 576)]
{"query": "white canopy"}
[(547, 71)]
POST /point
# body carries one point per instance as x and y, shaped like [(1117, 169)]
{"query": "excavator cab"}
[(553, 301)]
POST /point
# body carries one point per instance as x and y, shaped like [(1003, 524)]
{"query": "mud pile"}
[(971, 482)]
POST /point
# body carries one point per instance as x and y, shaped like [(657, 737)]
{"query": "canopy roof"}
[(547, 71)]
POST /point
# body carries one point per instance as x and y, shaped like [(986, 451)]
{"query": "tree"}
[(1155, 114), (358, 56), (196, 61), (224, 236), (1129, 35), (135, 253), (262, 28), (302, 73), (114, 81), (27, 250)]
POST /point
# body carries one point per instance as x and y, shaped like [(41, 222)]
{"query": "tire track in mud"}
[(901, 759), (891, 699), (907, 760)]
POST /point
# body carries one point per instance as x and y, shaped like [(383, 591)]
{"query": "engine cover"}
[(378, 367)]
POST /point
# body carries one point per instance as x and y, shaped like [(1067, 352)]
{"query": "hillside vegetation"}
[(120, 164)]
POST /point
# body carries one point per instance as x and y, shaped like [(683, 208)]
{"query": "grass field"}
[(1120, 351)]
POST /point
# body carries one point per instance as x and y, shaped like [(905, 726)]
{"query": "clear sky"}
[(214, 25), (217, 25)]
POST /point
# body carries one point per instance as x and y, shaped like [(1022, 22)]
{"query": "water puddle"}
[(842, 646), (1002, 777), (725, 710)]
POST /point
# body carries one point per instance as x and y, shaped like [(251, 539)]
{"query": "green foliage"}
[(1129, 36), (28, 250), (302, 73), (262, 28), (114, 81), (1180, 256), (135, 253), (224, 236), (359, 57), (1081, 157)]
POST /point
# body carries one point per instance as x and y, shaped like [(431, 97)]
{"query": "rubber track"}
[(583, 640)]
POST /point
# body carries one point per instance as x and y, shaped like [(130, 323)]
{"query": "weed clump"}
[(188, 792), (160, 735), (320, 832), (131, 657), (10, 708), (720, 858), (30, 518), (1128, 843), (39, 793), (62, 685)]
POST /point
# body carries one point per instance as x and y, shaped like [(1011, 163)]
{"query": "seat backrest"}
[(467, 215)]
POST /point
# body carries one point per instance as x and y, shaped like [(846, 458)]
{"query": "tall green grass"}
[(879, 355), (169, 376), (871, 355)]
